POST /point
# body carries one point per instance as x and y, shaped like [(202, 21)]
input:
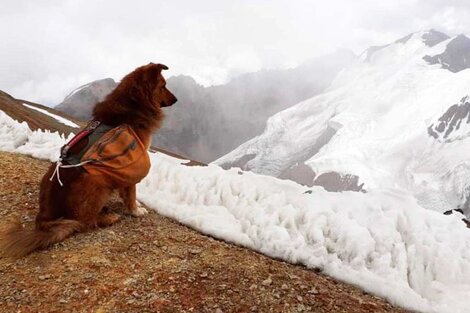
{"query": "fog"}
[(50, 47)]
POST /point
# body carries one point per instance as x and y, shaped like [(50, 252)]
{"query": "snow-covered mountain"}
[(398, 117)]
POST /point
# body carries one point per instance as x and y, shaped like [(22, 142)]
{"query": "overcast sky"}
[(50, 47)]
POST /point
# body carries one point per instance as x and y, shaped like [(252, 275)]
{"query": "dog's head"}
[(160, 93), (144, 86), (138, 99)]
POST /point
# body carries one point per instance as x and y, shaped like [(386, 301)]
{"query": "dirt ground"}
[(153, 264)]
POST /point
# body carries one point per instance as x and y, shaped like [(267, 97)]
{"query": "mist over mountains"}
[(208, 122), (398, 117)]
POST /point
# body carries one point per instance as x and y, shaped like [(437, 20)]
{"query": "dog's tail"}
[(16, 241)]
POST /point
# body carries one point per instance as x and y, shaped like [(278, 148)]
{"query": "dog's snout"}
[(174, 99)]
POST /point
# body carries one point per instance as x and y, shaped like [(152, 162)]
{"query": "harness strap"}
[(59, 165), (89, 128)]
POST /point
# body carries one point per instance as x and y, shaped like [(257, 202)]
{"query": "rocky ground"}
[(153, 264)]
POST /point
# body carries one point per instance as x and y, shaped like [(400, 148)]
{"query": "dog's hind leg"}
[(87, 202)]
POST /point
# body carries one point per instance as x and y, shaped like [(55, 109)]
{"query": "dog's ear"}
[(154, 71), (162, 66), (157, 67)]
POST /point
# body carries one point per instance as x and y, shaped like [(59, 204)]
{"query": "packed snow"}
[(19, 138), (382, 241), (380, 109), (58, 118)]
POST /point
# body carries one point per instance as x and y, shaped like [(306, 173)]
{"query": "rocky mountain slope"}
[(397, 117), (23, 111)]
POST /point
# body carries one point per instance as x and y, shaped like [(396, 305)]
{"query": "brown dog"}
[(77, 205)]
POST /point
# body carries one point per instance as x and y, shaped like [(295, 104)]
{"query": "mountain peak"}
[(456, 56), (79, 103), (432, 37)]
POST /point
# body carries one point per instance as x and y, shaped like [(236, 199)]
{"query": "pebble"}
[(284, 287), (100, 261), (44, 277), (313, 291), (267, 282)]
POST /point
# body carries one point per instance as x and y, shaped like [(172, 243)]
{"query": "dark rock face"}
[(456, 57), (300, 173), (80, 102), (335, 182), (433, 37), (451, 120), (241, 163), (331, 181)]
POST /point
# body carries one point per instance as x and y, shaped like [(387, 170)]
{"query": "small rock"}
[(100, 261), (218, 310), (88, 276), (204, 274), (284, 287), (195, 251), (267, 282), (63, 301), (313, 291), (299, 298), (44, 277), (253, 286)]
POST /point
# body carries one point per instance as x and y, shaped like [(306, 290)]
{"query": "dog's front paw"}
[(139, 211)]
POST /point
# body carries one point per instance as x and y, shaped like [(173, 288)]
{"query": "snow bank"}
[(58, 118), (19, 138), (382, 241)]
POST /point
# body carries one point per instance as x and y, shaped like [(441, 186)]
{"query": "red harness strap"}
[(82, 134)]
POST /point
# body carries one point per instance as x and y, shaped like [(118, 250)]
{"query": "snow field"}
[(58, 118)]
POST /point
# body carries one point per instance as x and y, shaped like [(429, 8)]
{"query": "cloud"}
[(51, 47)]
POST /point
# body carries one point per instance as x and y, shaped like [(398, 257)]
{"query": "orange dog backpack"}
[(116, 153)]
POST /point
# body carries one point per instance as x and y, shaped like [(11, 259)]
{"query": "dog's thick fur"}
[(77, 206)]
